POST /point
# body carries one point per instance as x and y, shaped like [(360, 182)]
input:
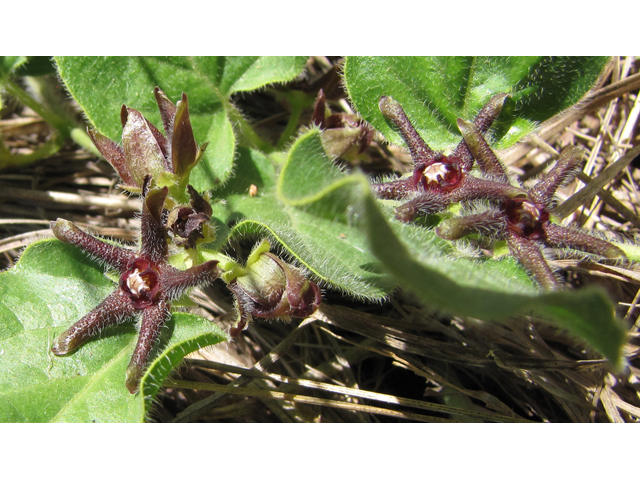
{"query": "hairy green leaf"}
[(101, 85), (51, 287), (485, 288), (322, 240), (10, 64), (436, 91)]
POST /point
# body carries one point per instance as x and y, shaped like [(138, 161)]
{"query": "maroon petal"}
[(530, 256), (183, 145), (424, 204), (114, 309), (154, 239), (479, 148), (252, 303), (420, 151), (113, 255), (175, 283), (483, 121), (394, 190), (562, 237), (167, 112), (473, 188), (114, 154), (320, 110), (153, 319), (303, 295), (489, 223), (143, 153), (563, 171)]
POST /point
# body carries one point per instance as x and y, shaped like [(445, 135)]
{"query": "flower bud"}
[(145, 151), (270, 288), (190, 223), (342, 134)]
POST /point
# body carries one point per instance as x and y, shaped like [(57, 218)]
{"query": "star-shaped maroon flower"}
[(524, 222), (439, 180), (147, 286)]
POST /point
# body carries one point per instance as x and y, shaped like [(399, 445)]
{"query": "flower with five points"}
[(439, 180), (524, 222), (147, 286)]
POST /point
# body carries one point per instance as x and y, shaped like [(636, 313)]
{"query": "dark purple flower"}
[(191, 223), (147, 286), (525, 221), (439, 180)]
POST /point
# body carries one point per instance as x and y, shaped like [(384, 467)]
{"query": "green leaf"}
[(101, 85), (587, 313), (88, 385), (36, 66), (490, 289), (436, 91), (320, 239), (9, 64)]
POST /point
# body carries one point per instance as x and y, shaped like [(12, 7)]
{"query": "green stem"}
[(230, 268), (298, 101), (59, 123)]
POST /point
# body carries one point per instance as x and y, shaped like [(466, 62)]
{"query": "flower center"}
[(526, 218), (441, 175), (137, 283), (140, 282)]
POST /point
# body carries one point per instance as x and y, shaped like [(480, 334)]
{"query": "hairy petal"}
[(563, 171), (483, 154), (420, 151), (153, 319), (424, 204), (167, 113), (114, 154), (530, 256), (562, 237), (473, 188), (394, 190), (142, 143), (183, 145), (492, 222), (154, 239), (483, 121), (174, 282), (320, 110), (113, 255), (114, 309)]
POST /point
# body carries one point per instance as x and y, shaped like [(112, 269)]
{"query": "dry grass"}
[(354, 362)]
